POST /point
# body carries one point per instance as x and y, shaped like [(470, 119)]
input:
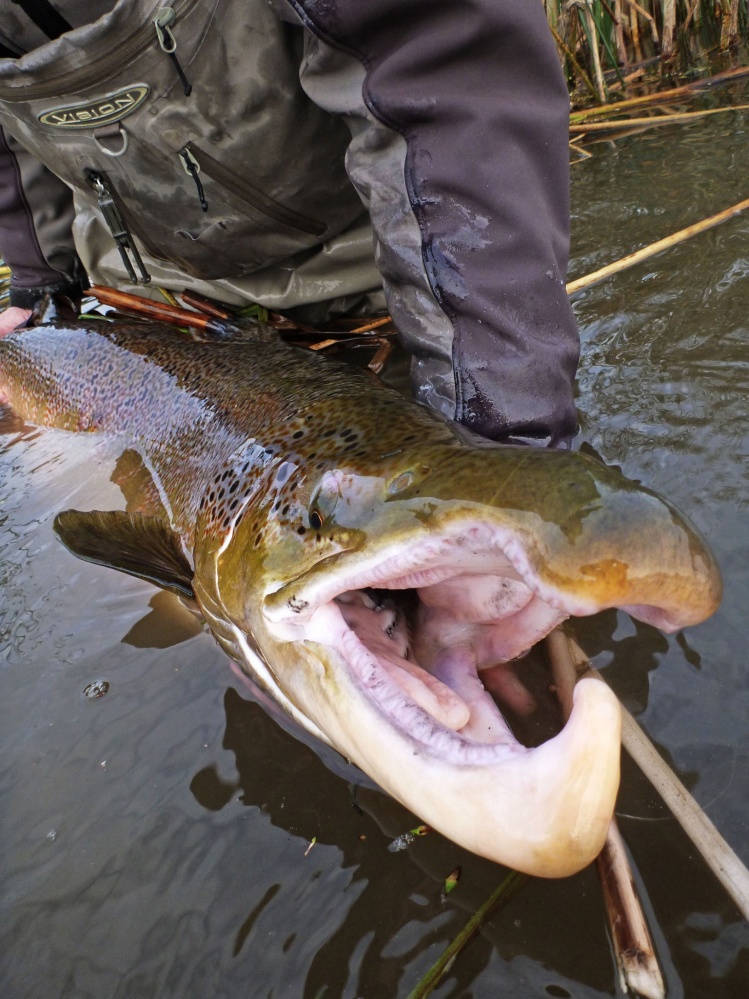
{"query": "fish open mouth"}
[(405, 629), (419, 626)]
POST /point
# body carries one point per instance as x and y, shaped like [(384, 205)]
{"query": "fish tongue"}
[(443, 704), (383, 632), (456, 667)]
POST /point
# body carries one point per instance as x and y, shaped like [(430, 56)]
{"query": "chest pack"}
[(182, 123)]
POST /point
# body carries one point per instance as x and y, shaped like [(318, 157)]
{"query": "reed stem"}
[(633, 945), (662, 244), (720, 858), (611, 36)]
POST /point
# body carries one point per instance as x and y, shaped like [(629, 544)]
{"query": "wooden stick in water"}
[(206, 305), (671, 118), (384, 351), (372, 325), (662, 244), (633, 945), (720, 858), (639, 971)]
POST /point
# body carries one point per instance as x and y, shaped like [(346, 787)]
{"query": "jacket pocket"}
[(227, 227), (237, 185)]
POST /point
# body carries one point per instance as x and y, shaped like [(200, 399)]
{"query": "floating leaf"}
[(310, 845), (450, 882)]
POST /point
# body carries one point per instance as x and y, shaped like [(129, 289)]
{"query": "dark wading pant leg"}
[(459, 119), (36, 243)]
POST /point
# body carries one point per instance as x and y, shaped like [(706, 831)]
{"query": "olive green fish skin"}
[(194, 406), (285, 489), (240, 434)]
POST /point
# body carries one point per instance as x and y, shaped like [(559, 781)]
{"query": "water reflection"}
[(153, 841)]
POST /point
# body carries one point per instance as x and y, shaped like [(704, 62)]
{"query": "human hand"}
[(12, 318)]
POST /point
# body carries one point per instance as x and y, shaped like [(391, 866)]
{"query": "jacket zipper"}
[(192, 168), (165, 18), (82, 79), (244, 189)]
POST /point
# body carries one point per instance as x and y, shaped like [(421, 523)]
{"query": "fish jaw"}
[(489, 565), (544, 811), (419, 721)]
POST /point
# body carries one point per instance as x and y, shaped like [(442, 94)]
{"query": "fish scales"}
[(366, 562), (204, 402)]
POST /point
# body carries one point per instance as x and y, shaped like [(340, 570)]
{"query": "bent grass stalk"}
[(661, 96), (501, 896)]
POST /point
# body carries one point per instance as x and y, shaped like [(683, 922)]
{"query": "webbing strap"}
[(45, 17)]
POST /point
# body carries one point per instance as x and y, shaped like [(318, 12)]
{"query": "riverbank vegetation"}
[(607, 45)]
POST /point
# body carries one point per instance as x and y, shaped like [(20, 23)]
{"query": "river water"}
[(155, 841)]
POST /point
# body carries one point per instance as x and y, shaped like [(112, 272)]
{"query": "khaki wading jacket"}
[(307, 154)]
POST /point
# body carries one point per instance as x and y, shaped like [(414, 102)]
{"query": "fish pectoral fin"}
[(133, 543)]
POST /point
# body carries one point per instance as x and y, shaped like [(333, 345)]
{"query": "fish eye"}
[(323, 501)]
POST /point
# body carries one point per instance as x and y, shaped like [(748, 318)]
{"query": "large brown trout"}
[(364, 562)]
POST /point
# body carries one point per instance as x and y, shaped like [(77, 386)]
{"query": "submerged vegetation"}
[(607, 44)]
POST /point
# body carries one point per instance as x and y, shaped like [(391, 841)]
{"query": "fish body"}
[(365, 562)]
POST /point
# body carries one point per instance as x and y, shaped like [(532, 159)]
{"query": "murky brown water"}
[(152, 840)]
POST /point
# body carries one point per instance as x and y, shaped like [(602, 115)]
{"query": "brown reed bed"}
[(608, 45)]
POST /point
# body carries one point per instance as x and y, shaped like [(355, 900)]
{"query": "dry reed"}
[(604, 44)]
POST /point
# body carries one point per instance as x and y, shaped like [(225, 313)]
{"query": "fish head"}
[(371, 605)]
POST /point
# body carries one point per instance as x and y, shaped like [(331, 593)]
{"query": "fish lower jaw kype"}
[(403, 644), (435, 740)]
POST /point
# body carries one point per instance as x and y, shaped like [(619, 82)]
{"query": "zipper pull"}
[(117, 227), (165, 17), (192, 167)]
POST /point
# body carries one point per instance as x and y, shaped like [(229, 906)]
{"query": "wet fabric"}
[(447, 121)]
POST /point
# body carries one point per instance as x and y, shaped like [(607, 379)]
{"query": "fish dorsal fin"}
[(241, 330), (130, 542), (52, 307)]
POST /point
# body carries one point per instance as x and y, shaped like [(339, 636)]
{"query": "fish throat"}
[(418, 626)]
